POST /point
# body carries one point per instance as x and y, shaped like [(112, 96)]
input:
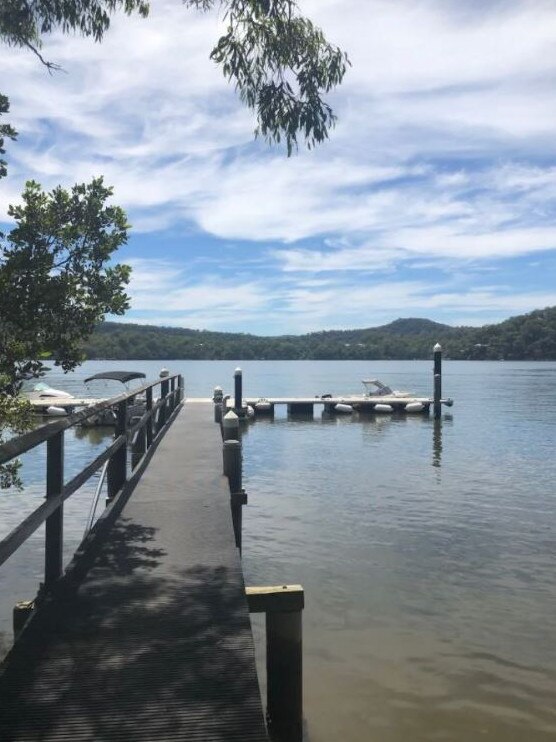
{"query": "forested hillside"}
[(528, 337)]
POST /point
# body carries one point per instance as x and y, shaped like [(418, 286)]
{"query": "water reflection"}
[(437, 443), (94, 435)]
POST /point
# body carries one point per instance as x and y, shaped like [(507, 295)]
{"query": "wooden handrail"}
[(21, 533), (51, 510), (20, 445)]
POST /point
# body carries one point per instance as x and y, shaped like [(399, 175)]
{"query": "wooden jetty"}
[(362, 403), (147, 634)]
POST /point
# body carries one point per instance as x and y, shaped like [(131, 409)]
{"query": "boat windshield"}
[(376, 388)]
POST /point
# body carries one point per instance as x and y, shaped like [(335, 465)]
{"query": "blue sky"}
[(435, 196)]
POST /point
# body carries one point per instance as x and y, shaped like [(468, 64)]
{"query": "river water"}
[(427, 551)]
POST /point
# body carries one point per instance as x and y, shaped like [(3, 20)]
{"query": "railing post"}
[(117, 467), (173, 394), (181, 388), (162, 411), (54, 531), (149, 425)]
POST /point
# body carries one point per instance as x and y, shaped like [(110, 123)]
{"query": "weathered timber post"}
[(181, 388), (218, 398), (284, 657), (230, 426), (149, 424), (117, 466), (238, 390), (232, 467), (437, 380), (22, 610), (173, 401), (162, 410), (284, 662), (232, 464), (54, 532)]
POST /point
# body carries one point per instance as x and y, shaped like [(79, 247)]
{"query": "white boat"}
[(375, 388), (43, 391)]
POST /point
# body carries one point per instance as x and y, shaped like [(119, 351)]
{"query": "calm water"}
[(427, 552)]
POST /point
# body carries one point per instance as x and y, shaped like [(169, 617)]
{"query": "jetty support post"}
[(437, 380), (232, 460), (117, 466), (283, 606), (300, 409), (54, 530), (218, 399), (230, 427), (238, 390), (23, 609)]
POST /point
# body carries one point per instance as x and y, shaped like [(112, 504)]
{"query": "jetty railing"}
[(136, 436)]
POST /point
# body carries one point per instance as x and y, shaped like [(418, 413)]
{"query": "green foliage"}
[(24, 22), (18, 413), (281, 64), (531, 336), (56, 283), (6, 131)]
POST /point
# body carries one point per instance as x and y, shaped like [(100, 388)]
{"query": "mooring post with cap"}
[(230, 427), (437, 350)]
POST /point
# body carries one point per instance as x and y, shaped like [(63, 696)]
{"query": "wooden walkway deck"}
[(155, 642)]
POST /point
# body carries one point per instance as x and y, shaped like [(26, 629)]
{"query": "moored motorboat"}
[(375, 388), (136, 406), (42, 392)]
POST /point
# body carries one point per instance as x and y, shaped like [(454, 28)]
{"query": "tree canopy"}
[(527, 337), (57, 282), (280, 63)]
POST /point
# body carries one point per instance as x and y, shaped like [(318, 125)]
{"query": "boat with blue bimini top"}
[(46, 400), (136, 405)]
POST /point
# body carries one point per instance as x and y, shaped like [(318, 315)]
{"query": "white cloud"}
[(444, 151)]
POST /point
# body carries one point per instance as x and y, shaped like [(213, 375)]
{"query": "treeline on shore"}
[(526, 337)]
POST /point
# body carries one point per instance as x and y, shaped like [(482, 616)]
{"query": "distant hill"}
[(412, 326), (526, 337)]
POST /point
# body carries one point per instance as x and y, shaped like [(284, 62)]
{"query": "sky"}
[(434, 197)]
